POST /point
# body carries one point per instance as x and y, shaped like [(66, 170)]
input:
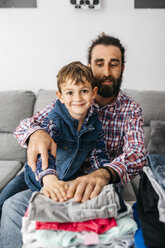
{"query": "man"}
[(122, 123)]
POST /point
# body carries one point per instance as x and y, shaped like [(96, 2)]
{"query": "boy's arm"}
[(40, 173), (52, 187), (100, 159), (55, 188)]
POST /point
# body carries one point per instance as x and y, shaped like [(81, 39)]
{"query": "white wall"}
[(35, 43)]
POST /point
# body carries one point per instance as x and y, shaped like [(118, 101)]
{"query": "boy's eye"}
[(84, 91), (69, 93)]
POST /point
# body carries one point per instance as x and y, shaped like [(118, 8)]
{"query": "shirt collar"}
[(88, 115), (117, 102)]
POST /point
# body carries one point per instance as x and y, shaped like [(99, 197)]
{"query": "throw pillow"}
[(157, 137)]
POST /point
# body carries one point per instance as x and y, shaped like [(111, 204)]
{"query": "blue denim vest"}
[(73, 147)]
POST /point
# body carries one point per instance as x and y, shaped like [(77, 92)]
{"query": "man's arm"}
[(123, 168), (133, 159), (40, 143), (31, 134), (89, 186), (29, 125)]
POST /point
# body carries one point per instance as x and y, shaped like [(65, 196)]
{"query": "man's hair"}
[(106, 40), (77, 72)]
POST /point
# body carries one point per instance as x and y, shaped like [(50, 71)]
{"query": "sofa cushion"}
[(44, 97), (157, 137), (10, 149), (14, 107), (9, 169), (151, 102)]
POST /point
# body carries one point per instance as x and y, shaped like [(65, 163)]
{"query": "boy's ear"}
[(94, 91), (60, 96)]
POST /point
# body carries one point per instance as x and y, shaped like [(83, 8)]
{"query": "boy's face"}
[(77, 97)]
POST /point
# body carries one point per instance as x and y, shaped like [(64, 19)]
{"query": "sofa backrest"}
[(14, 107), (151, 102), (44, 97), (153, 107)]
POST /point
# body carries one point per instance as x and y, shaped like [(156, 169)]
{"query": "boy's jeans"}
[(12, 207), (14, 186), (13, 210)]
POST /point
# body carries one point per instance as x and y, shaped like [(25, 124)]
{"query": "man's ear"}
[(60, 96), (123, 67), (94, 91), (89, 65)]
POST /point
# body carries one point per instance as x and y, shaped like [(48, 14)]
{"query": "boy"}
[(74, 125)]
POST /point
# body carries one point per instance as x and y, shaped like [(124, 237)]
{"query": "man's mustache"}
[(101, 80)]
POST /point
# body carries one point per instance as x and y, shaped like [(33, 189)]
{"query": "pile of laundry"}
[(151, 201), (104, 221)]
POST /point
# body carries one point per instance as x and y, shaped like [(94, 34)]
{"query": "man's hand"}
[(88, 186), (40, 143), (54, 188)]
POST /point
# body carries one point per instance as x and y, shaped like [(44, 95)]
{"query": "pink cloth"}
[(91, 239), (26, 213), (97, 225)]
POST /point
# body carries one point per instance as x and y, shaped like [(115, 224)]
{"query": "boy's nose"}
[(77, 97)]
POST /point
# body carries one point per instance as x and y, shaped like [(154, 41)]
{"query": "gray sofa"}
[(18, 105)]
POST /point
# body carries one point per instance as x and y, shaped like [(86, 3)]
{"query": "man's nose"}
[(107, 71)]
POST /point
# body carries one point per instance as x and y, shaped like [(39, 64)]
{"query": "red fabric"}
[(26, 213), (97, 225)]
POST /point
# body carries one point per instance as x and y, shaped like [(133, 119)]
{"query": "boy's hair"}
[(106, 40), (77, 72)]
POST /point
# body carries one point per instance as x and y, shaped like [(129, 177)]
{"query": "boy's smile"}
[(77, 97)]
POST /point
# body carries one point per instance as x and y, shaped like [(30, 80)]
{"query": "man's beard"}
[(109, 90)]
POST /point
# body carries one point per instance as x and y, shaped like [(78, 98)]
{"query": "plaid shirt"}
[(123, 127)]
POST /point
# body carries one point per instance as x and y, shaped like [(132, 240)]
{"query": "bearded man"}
[(122, 123)]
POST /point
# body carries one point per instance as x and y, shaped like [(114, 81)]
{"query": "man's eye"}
[(113, 65), (99, 64)]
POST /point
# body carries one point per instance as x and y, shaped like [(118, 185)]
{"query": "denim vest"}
[(72, 146)]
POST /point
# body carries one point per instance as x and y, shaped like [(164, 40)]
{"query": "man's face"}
[(107, 68)]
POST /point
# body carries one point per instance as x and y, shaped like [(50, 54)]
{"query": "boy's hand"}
[(40, 143), (54, 188)]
